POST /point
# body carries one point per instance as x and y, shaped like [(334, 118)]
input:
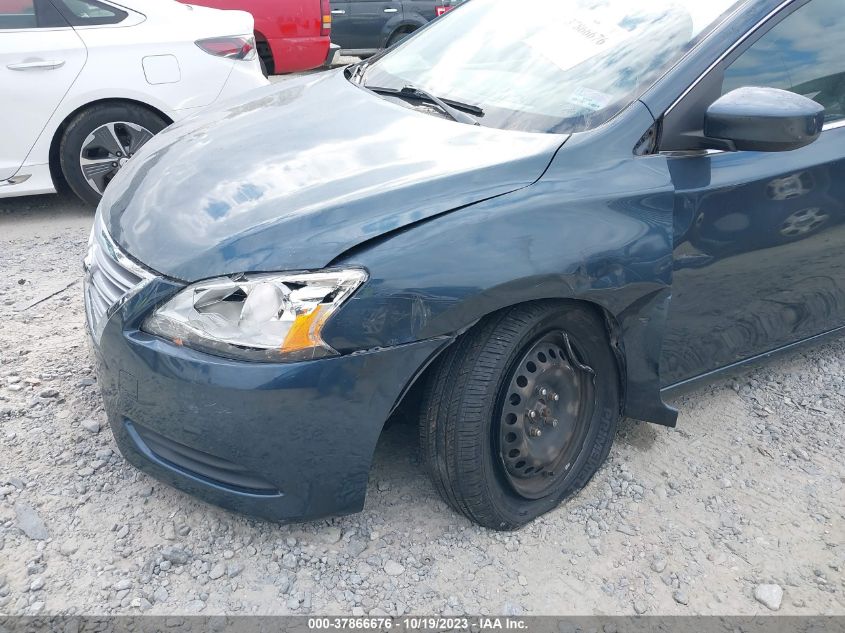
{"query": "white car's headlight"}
[(263, 317)]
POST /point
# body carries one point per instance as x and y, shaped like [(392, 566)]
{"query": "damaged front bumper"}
[(285, 442)]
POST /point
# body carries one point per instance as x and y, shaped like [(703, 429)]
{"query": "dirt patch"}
[(747, 492)]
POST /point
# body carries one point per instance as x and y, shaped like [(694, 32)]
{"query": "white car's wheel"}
[(99, 141)]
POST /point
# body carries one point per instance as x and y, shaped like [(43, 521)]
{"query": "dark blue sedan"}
[(524, 230)]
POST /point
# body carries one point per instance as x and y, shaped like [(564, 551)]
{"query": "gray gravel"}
[(737, 511)]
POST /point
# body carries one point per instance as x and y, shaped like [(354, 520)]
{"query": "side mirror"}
[(763, 120)]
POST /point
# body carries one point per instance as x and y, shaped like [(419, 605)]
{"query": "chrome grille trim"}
[(121, 260), (110, 277)]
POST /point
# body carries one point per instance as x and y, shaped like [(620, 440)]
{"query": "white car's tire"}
[(98, 142)]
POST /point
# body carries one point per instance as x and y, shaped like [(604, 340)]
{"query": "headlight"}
[(263, 317)]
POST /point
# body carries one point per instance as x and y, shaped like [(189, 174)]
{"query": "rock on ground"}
[(30, 522), (769, 595)]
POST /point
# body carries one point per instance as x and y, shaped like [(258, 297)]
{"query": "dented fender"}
[(597, 227)]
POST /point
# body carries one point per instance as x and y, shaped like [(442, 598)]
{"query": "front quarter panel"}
[(597, 227)]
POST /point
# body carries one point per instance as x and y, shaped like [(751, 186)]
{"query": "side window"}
[(29, 14), (90, 12), (805, 53), (17, 14)]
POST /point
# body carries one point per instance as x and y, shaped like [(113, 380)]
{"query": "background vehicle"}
[(85, 83), (448, 7), (291, 35), (362, 27)]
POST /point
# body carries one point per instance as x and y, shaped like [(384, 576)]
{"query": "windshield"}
[(548, 65)]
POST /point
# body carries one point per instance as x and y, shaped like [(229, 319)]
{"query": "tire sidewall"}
[(83, 125), (398, 37), (592, 343)]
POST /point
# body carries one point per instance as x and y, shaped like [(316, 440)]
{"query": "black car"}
[(363, 27), (521, 230)]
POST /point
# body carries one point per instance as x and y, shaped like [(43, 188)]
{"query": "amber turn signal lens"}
[(305, 331)]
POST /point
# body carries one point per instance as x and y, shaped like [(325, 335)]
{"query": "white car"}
[(85, 83)]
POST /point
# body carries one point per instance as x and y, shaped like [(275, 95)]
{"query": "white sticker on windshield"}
[(577, 41), (589, 99)]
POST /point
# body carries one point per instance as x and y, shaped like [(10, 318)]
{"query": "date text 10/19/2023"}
[(419, 623)]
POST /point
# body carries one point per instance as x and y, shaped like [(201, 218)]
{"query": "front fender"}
[(597, 228)]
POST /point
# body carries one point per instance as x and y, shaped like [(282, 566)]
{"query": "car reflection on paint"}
[(801, 205)]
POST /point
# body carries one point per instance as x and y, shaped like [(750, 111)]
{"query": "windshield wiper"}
[(451, 108)]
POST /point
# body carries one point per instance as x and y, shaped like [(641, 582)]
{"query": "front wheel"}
[(521, 412), (99, 141)]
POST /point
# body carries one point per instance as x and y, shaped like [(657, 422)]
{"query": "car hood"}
[(300, 172)]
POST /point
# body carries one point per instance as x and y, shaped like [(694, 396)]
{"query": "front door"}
[(40, 58), (760, 237)]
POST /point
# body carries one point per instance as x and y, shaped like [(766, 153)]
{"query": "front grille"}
[(197, 463), (109, 277)]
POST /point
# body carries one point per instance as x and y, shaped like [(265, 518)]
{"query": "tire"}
[(464, 428), (124, 128), (265, 57), (398, 36)]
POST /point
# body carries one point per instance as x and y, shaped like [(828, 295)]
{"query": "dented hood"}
[(300, 172)]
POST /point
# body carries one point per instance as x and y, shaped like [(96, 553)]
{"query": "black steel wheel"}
[(545, 413), (520, 412)]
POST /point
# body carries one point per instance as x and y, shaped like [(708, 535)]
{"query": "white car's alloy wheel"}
[(107, 149), (100, 140)]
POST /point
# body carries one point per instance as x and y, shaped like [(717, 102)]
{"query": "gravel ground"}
[(737, 511)]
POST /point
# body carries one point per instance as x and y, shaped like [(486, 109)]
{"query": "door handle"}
[(391, 10), (338, 11), (42, 64)]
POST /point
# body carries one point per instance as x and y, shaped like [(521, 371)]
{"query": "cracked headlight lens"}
[(271, 317)]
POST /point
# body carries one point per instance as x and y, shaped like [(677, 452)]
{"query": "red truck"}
[(291, 35)]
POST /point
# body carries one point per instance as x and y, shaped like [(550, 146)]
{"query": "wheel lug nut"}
[(556, 398), (535, 432), (532, 414), (553, 423)]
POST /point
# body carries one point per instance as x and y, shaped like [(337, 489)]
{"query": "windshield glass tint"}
[(548, 65)]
